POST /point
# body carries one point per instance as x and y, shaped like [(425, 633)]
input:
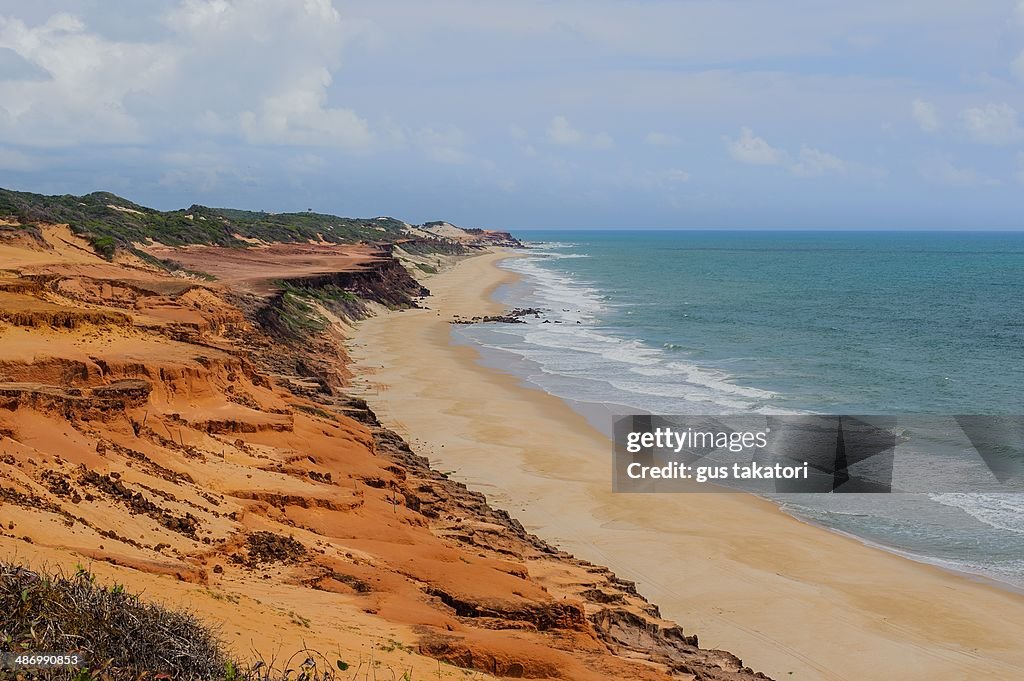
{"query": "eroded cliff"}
[(192, 438)]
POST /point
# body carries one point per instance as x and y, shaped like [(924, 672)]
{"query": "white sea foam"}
[(1009, 571), (1001, 511), (707, 377), (597, 353), (559, 292), (553, 245), (552, 255)]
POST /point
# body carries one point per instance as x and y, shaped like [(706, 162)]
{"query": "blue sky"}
[(692, 114)]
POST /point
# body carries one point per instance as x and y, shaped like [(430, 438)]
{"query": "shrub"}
[(122, 637), (115, 631)]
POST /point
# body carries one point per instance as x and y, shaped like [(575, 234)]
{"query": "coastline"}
[(595, 413), (734, 569)]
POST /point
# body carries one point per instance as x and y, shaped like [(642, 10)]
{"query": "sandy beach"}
[(793, 600)]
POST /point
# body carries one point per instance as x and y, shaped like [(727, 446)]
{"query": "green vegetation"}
[(104, 245), (110, 222), (432, 246), (327, 293), (298, 315), (115, 632), (25, 228), (393, 645), (119, 636)]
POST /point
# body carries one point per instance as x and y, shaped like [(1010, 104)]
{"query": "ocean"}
[(716, 323)]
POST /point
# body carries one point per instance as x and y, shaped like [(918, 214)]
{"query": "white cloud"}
[(264, 67), (993, 124), (81, 97), (941, 170), (299, 117), (1020, 167), (443, 146), (807, 162), (661, 139), (1017, 67), (260, 69), (925, 114), (561, 131), (814, 162), (749, 148)]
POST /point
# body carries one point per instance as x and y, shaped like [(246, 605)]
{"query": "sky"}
[(876, 114)]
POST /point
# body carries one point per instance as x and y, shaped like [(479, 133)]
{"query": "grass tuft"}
[(117, 633), (121, 637)]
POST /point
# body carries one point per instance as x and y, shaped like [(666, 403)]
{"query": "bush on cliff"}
[(120, 636), (110, 221), (115, 631)]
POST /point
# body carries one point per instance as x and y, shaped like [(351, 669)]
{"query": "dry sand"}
[(793, 600)]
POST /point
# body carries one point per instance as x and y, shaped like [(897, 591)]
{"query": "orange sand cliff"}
[(185, 438)]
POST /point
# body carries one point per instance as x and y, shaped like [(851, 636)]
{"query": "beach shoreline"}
[(792, 599), (502, 360)]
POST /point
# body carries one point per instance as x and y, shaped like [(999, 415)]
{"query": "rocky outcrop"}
[(384, 281), (489, 237), (105, 401), (514, 316), (63, 319)]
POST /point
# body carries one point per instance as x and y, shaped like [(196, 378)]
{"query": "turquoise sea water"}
[(778, 322)]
